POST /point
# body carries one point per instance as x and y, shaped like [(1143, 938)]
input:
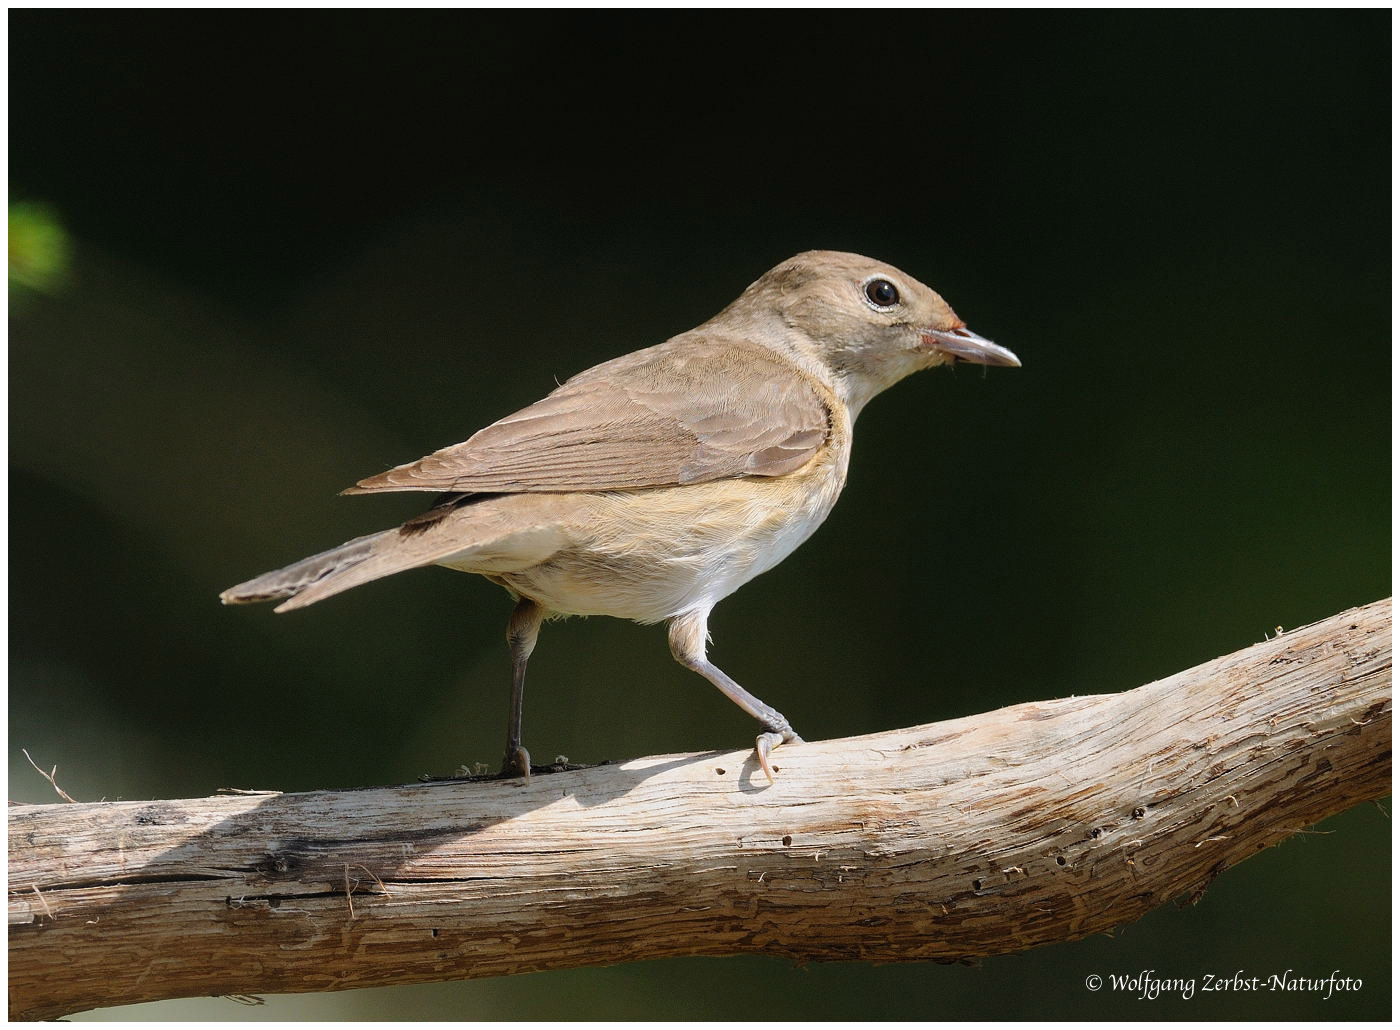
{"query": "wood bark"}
[(1042, 822)]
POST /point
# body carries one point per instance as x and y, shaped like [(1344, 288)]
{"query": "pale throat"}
[(859, 381)]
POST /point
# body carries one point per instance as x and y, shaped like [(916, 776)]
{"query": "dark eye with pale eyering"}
[(882, 293)]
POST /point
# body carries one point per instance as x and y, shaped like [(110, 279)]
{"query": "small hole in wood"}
[(274, 902), (1060, 860), (720, 771), (435, 933), (787, 842)]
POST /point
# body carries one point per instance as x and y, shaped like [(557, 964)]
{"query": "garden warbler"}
[(652, 486)]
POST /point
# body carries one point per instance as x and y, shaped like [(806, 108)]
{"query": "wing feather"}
[(690, 410)]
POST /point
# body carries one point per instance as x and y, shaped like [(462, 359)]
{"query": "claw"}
[(766, 742), (517, 763)]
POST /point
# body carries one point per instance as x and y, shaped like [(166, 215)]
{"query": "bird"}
[(652, 486)]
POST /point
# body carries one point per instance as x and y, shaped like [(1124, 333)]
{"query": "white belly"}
[(653, 555)]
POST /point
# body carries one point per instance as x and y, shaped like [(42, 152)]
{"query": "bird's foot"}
[(517, 763), (767, 741)]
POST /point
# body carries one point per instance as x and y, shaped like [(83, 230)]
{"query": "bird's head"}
[(867, 321)]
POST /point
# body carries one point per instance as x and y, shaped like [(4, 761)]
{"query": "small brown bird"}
[(654, 485)]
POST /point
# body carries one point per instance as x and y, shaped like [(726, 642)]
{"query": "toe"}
[(762, 747)]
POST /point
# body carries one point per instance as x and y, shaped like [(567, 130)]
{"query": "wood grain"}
[(1037, 823)]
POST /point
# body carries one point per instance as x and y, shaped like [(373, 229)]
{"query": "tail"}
[(299, 577), (503, 536)]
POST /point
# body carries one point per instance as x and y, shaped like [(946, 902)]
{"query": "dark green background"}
[(310, 246)]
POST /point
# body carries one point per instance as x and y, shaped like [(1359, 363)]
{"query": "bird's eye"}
[(882, 293)]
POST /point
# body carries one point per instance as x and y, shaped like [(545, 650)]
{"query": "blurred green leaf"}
[(39, 249)]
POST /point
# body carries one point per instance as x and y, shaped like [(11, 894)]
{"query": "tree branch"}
[(1043, 822)]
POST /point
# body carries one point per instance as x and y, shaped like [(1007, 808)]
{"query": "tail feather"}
[(513, 533), (292, 580), (390, 557), (323, 575)]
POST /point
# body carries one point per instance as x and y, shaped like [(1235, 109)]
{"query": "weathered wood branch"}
[(1042, 822)]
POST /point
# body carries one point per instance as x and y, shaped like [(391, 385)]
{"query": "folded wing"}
[(690, 410)]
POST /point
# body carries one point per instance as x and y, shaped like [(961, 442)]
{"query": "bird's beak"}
[(965, 345)]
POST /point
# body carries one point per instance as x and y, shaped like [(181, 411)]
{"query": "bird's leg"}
[(521, 633), (688, 635)]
